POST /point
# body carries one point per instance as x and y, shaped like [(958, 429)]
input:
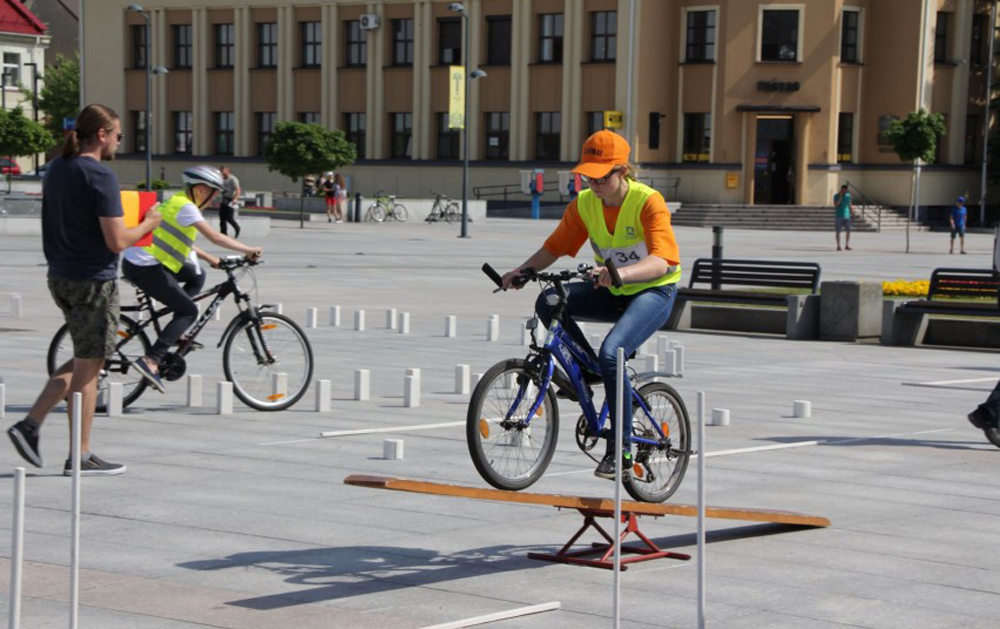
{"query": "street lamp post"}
[(137, 8), (3, 84), (34, 100), (459, 8)]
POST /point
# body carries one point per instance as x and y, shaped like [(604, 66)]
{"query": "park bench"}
[(908, 323), (799, 319)]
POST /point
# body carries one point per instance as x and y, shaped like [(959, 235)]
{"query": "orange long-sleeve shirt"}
[(571, 233)]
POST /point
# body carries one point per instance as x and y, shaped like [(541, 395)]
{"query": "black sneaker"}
[(94, 466), (26, 441), (606, 468), (151, 377), (981, 419)]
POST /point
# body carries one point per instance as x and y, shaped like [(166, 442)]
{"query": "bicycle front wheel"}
[(131, 344), (269, 362), (659, 469), (509, 449), (399, 213), (452, 213), (376, 212)]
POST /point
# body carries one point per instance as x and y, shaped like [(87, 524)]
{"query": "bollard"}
[(3, 401), (411, 391), (493, 328), (362, 385), (662, 344), (392, 449), (116, 393), (322, 396), (679, 352), (670, 362), (802, 408), (390, 319), (476, 377), (279, 309), (224, 398), (194, 390), (404, 323), (451, 326), (15, 306), (334, 316), (217, 316), (359, 320), (413, 371), (649, 362), (312, 317), (17, 549), (525, 336), (462, 379), (356, 217), (279, 385), (720, 416)]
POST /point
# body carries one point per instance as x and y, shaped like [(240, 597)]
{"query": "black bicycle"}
[(444, 209), (265, 355)]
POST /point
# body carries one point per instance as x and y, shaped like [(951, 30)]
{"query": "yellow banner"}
[(456, 100)]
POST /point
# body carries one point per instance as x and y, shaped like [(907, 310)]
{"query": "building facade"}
[(23, 40), (745, 101)]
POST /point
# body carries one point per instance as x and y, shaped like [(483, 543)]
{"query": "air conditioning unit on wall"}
[(369, 22)]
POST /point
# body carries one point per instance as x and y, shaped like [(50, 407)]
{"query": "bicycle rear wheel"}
[(270, 363), (509, 452), (376, 212), (452, 213), (131, 344), (659, 470), (399, 213)]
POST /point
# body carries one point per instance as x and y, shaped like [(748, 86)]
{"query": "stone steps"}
[(783, 217)]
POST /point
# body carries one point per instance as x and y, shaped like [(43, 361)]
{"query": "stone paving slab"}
[(243, 520)]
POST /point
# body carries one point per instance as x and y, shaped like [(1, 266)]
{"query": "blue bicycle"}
[(513, 420)]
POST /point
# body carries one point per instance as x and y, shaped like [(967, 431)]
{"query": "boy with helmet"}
[(168, 271)]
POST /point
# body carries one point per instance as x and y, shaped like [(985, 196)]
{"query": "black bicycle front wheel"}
[(657, 471), (269, 362), (132, 343)]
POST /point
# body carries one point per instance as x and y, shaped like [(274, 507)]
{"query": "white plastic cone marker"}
[(451, 326), (679, 351), (224, 398), (312, 317), (359, 320), (720, 416), (116, 394), (411, 391), (194, 394), (322, 396), (802, 408), (334, 316), (462, 379), (392, 449), (15, 306), (362, 385), (404, 323), (670, 362), (493, 328), (279, 309), (390, 319)]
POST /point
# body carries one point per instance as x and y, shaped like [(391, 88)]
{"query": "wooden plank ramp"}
[(583, 503)]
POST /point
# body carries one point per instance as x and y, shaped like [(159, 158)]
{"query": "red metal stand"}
[(648, 550)]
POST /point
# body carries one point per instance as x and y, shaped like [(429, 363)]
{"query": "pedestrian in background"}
[(231, 194), (340, 196), (83, 231), (842, 217), (330, 194), (956, 218), (309, 186)]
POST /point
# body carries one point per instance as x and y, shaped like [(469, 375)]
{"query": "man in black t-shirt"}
[(83, 231)]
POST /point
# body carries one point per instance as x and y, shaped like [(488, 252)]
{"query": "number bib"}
[(622, 256)]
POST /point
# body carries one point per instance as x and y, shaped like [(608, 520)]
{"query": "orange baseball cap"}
[(601, 153)]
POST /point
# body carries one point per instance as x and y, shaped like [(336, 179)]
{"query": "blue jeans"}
[(636, 318)]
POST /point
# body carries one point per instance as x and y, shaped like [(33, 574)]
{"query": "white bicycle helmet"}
[(205, 175)]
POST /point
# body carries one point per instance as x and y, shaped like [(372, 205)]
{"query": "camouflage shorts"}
[(91, 310)]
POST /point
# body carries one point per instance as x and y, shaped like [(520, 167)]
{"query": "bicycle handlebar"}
[(528, 274), (229, 263)]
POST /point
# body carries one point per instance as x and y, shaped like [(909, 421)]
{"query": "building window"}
[(182, 132), (402, 42), (182, 45), (550, 38), (845, 138), (884, 122), (779, 40), (941, 36), (357, 44), (138, 45), (312, 46), (697, 137), (224, 45), (700, 44), (449, 41), (11, 69), (849, 37), (595, 122), (447, 139), (223, 132), (498, 40), (977, 54), (267, 45), (942, 143), (401, 133), (138, 131), (972, 136), (354, 131), (309, 117), (497, 134), (265, 127), (603, 35), (547, 128)]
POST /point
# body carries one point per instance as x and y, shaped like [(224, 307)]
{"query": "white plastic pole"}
[(334, 316), (17, 549), (404, 323), (701, 509), (323, 396), (619, 411), (15, 306), (462, 379), (451, 326), (390, 319), (312, 317), (74, 551), (359, 320), (3, 401)]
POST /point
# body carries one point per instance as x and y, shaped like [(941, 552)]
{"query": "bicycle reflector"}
[(275, 397), (268, 326), (484, 428), (665, 427)]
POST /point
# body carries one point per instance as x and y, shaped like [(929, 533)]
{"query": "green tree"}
[(60, 94), (916, 136), (296, 149), (20, 135)]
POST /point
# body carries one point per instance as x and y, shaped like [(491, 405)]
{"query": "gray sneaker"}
[(94, 466), (26, 441)]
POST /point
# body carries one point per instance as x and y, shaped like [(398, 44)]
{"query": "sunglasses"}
[(600, 181)]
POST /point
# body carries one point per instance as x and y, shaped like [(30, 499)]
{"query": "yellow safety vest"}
[(172, 242), (627, 245)]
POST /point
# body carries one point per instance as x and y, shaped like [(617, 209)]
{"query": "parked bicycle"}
[(444, 209), (265, 355), (513, 418), (385, 207)]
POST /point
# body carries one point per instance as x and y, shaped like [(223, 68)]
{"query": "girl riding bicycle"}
[(168, 271), (629, 223)]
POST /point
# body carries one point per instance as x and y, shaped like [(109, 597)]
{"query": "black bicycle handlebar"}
[(229, 263), (528, 274)]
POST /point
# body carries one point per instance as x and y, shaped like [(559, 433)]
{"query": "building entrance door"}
[(774, 178)]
